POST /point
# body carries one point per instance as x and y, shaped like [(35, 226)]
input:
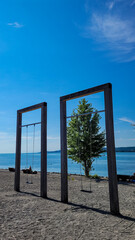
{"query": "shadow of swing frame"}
[(43, 180), (111, 156)]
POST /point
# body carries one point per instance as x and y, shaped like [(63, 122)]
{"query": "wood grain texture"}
[(44, 152), (33, 107), (64, 171), (112, 171), (85, 92), (18, 153)]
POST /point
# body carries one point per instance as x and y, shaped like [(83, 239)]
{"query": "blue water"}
[(125, 163)]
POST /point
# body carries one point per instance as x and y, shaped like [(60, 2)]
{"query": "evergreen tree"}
[(85, 141)]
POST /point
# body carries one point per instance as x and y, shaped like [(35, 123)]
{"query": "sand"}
[(25, 215)]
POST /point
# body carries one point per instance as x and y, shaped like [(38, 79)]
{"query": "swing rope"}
[(90, 146), (27, 152), (81, 176), (90, 139), (32, 165), (78, 141), (33, 147)]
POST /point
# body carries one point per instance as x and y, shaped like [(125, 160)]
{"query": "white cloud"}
[(113, 27), (86, 6), (124, 119), (5, 135), (24, 137), (15, 25), (2, 113), (133, 3), (53, 138), (118, 131), (118, 34), (8, 142), (110, 5)]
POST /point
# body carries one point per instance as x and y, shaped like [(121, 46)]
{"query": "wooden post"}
[(44, 151), (18, 152), (112, 172), (64, 172)]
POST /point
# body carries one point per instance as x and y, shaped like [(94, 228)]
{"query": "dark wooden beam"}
[(18, 153), (86, 92), (64, 171), (44, 151), (112, 171), (31, 108)]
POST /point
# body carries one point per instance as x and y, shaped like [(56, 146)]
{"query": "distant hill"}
[(57, 151), (125, 149)]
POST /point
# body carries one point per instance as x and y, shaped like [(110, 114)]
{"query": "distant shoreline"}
[(125, 149), (117, 149)]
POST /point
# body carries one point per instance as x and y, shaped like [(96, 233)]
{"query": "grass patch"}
[(95, 176)]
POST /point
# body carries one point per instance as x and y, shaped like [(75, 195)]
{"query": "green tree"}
[(85, 141)]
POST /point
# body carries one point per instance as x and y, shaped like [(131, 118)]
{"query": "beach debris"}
[(124, 178), (29, 171), (11, 169)]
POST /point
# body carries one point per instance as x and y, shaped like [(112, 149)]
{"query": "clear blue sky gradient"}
[(52, 48)]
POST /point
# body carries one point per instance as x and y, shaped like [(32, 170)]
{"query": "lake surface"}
[(125, 163)]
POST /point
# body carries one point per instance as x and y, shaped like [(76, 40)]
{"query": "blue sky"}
[(52, 48)]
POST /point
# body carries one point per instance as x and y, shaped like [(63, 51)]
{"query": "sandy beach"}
[(25, 215)]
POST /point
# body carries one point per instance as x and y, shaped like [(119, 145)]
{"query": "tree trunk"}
[(86, 170)]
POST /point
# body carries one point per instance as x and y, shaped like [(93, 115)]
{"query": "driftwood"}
[(11, 169), (126, 177)]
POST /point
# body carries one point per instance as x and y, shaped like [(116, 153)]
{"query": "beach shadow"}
[(86, 191), (80, 206), (28, 193), (126, 218), (127, 183)]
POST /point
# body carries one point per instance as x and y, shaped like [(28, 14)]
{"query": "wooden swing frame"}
[(43, 180), (111, 157)]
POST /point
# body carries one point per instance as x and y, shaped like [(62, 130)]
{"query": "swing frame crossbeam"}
[(30, 124), (85, 114), (111, 156), (43, 179)]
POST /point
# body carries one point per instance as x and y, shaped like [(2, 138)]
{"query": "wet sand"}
[(25, 215)]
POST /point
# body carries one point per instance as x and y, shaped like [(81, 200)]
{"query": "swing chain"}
[(27, 181), (33, 150)]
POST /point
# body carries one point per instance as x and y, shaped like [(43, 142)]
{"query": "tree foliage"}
[(85, 141)]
